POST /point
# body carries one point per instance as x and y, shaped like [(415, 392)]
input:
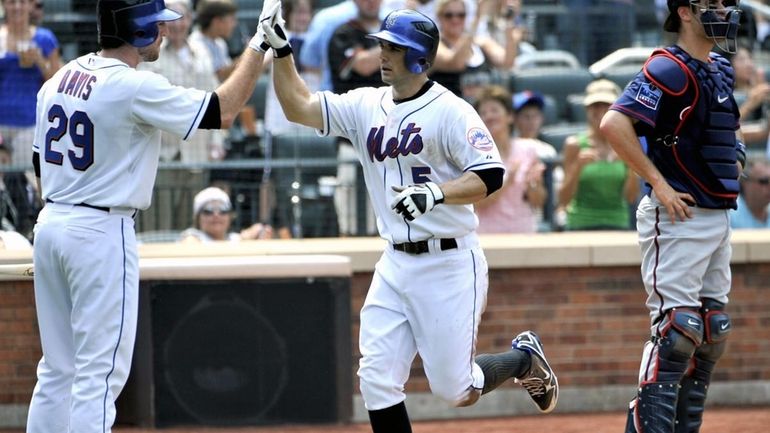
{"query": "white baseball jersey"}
[(97, 131), (434, 137)]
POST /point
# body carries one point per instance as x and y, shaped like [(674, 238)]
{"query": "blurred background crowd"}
[(541, 74)]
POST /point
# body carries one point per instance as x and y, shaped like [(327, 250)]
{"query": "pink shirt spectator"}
[(511, 213)]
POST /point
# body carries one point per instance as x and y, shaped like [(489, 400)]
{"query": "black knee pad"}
[(717, 328), (679, 338)]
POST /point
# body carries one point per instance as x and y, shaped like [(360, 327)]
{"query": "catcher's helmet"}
[(721, 25), (414, 31), (134, 22)]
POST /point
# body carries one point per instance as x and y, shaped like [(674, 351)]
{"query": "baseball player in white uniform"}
[(96, 147), (426, 157)]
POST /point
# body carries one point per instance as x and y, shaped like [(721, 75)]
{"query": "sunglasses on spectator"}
[(450, 15), (211, 210)]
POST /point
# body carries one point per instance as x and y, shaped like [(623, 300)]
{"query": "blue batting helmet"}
[(415, 32), (134, 22)]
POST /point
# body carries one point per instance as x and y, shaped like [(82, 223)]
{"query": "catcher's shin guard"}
[(630, 424), (663, 368), (692, 394)]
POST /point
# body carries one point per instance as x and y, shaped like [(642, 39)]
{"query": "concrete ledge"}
[(13, 415), (541, 250), (512, 400)]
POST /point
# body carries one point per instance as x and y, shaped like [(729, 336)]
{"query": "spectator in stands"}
[(29, 55), (754, 199), (19, 202), (297, 14), (752, 93), (354, 61), (36, 14), (213, 213), (502, 17), (216, 22), (598, 188), (187, 64), (425, 7), (528, 120), (514, 207), (314, 57), (465, 62)]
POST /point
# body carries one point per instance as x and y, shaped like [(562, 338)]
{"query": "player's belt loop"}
[(421, 247)]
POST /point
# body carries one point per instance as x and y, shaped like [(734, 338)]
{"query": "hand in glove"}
[(275, 34), (415, 200), (270, 8)]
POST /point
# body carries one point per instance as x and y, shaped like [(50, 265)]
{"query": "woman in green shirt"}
[(598, 188)]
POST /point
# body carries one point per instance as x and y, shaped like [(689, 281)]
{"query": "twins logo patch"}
[(478, 138), (649, 95)]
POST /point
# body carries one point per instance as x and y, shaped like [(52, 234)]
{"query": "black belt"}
[(421, 247), (101, 208)]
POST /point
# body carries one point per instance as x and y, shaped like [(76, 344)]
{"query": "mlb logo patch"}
[(479, 139), (649, 95)]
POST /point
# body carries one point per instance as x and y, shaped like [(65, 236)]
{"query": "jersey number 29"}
[(81, 133)]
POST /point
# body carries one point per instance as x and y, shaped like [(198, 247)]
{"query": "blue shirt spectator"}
[(29, 55), (754, 199), (19, 85), (315, 51)]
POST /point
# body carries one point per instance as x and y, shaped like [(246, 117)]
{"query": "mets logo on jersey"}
[(649, 95), (478, 138)]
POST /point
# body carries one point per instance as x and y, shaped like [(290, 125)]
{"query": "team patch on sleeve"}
[(478, 138), (649, 95)]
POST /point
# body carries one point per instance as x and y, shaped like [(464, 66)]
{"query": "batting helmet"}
[(134, 22), (415, 32)]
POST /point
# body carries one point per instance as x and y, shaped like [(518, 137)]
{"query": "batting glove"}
[(275, 34), (415, 200), (269, 9)]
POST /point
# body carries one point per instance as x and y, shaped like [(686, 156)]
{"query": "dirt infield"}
[(716, 420)]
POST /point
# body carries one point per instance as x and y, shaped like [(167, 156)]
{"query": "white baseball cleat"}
[(540, 381)]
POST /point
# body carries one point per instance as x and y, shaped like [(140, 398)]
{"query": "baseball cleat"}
[(540, 381)]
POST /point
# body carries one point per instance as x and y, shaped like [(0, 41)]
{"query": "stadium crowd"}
[(542, 59)]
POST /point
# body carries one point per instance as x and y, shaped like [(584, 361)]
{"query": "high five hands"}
[(271, 30)]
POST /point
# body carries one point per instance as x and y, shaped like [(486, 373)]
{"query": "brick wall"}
[(592, 321), (19, 342)]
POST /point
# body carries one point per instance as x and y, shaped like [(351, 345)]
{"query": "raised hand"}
[(274, 29), (270, 8)]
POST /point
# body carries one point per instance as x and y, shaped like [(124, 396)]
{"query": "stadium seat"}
[(158, 236), (546, 59), (555, 82), (556, 134), (624, 57), (577, 111), (621, 75), (300, 162)]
